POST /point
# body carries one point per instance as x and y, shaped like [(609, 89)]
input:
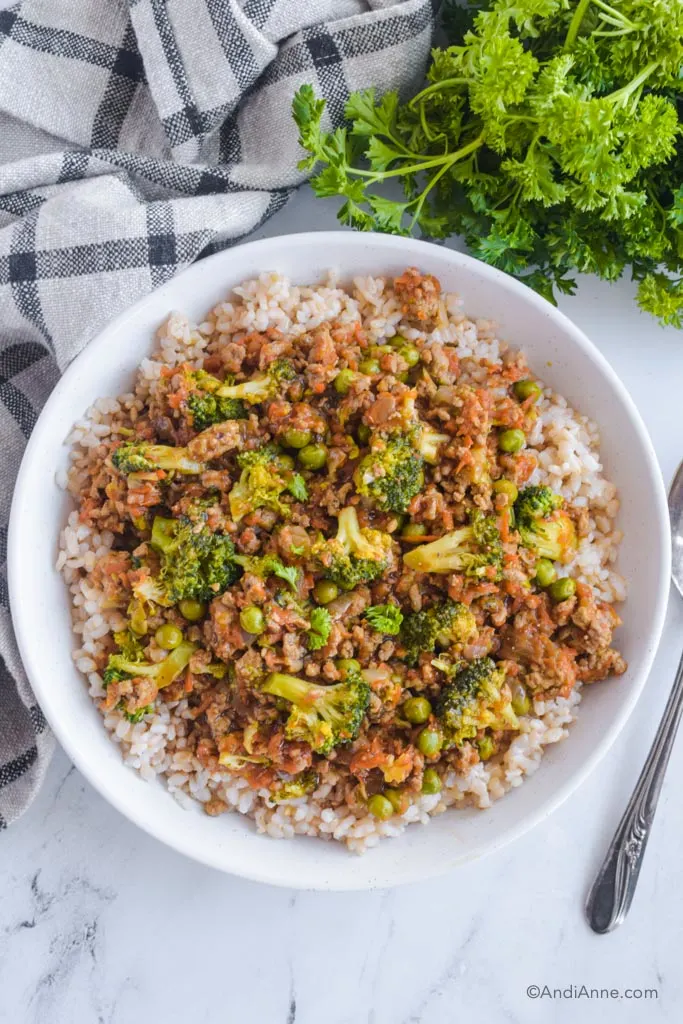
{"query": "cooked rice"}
[(566, 445)]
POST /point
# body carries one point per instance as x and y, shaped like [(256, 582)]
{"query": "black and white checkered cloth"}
[(137, 136)]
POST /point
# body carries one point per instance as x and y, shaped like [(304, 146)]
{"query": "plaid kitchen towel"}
[(136, 136)]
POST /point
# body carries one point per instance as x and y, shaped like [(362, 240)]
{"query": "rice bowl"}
[(568, 461)]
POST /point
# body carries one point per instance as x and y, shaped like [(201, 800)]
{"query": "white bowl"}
[(40, 606)]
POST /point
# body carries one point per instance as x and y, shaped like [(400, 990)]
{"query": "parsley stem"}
[(575, 24), (445, 83), (612, 35), (621, 95), (424, 166), (421, 201), (616, 15)]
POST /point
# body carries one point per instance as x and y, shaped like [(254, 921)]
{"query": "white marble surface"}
[(100, 923)]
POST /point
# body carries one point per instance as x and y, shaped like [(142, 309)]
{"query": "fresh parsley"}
[(289, 573), (385, 618), (548, 136), (319, 633), (297, 487)]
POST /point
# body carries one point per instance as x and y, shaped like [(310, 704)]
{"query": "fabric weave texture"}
[(137, 136)]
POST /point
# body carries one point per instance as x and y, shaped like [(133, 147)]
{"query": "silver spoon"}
[(612, 891)]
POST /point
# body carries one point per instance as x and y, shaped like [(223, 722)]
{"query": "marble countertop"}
[(101, 924)]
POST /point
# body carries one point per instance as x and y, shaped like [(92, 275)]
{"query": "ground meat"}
[(255, 591), (381, 410), (216, 440), (465, 758), (293, 652), (248, 541), (144, 694), (288, 756), (550, 667), (215, 806), (323, 349), (429, 506), (218, 702), (441, 361), (323, 359), (418, 295), (233, 355), (222, 630), (250, 666), (592, 623), (600, 664)]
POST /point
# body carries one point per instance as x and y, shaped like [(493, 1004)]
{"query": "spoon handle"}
[(612, 891)]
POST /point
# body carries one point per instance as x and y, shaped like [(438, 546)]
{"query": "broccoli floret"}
[(261, 388), (475, 550), (138, 457), (536, 503), (356, 555), (147, 594), (162, 672), (129, 645), (442, 625), (322, 716), (427, 441), (391, 473), (301, 785), (476, 699), (542, 526), (201, 404), (261, 484), (195, 563)]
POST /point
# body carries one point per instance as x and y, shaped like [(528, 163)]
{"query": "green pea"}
[(325, 591), (343, 381), (520, 699), (545, 572), (252, 620), (286, 461), (403, 377), (524, 389), (431, 782), (410, 354), (487, 748), (192, 610), (398, 800), (363, 433), (313, 456), (511, 441), (293, 438), (504, 486), (370, 367), (379, 350), (563, 589), (413, 530), (417, 710), (429, 742), (346, 665), (168, 636), (397, 340), (380, 807)]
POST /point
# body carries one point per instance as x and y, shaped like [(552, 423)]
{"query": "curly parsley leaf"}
[(321, 624), (385, 618), (548, 136), (297, 487)]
